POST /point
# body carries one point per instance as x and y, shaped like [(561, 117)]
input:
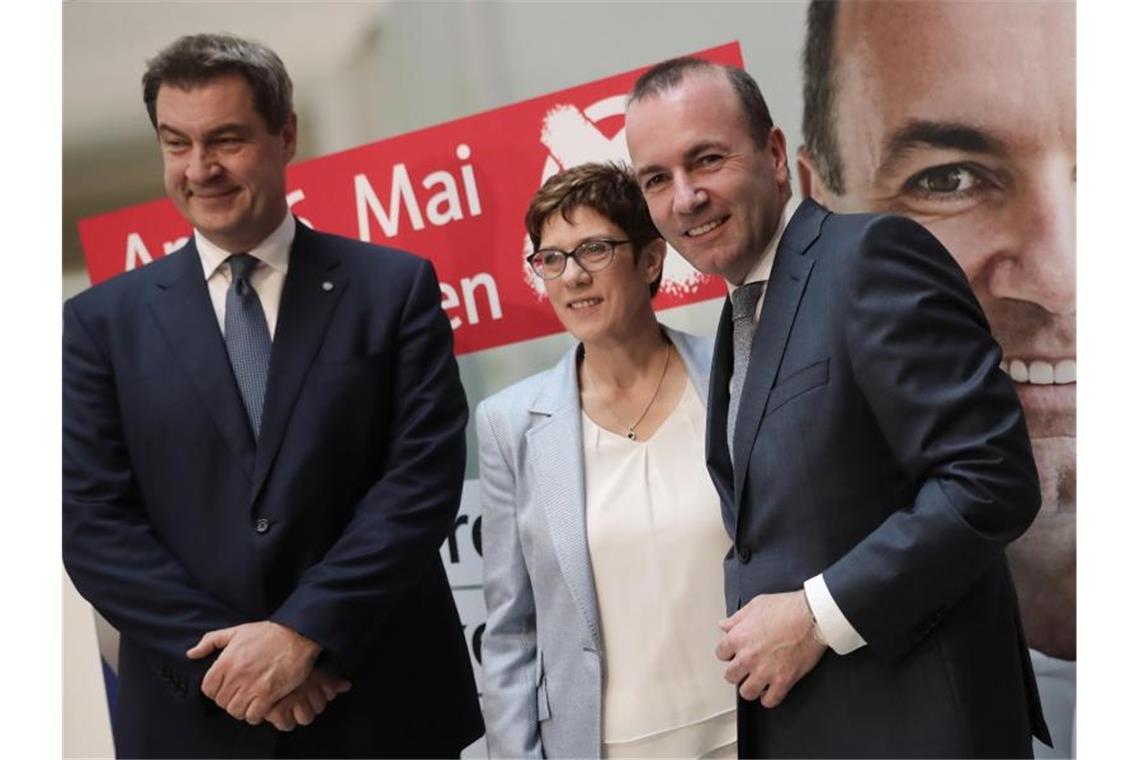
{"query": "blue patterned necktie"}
[(247, 337), (744, 300)]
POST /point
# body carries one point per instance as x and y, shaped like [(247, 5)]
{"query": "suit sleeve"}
[(110, 550), (925, 361), (395, 533), (510, 669)]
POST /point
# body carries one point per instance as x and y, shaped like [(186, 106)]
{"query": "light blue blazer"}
[(542, 648)]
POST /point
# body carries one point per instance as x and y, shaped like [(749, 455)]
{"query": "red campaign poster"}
[(454, 193)]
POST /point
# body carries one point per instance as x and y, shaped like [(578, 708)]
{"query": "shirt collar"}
[(762, 269), (273, 251)]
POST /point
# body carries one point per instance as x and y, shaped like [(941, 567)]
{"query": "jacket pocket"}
[(798, 383)]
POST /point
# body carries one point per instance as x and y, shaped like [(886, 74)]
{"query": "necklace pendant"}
[(631, 435)]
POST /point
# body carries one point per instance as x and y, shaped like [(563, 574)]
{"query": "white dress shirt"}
[(268, 277), (837, 630)]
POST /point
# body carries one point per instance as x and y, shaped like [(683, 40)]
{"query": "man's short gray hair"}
[(200, 58)]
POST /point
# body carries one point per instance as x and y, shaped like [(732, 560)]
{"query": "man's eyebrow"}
[(231, 128), (918, 133), (690, 154), (647, 170), (702, 146), (166, 129), (234, 127)]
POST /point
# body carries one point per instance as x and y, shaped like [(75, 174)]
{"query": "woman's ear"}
[(653, 258)]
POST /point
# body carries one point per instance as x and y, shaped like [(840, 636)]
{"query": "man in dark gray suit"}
[(871, 456)]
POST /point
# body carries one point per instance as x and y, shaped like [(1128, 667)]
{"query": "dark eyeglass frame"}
[(550, 274)]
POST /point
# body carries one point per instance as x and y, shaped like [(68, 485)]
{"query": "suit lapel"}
[(181, 306), (559, 475), (790, 273), (716, 431), (313, 287)]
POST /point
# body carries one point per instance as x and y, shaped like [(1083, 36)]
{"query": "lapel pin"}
[(326, 286)]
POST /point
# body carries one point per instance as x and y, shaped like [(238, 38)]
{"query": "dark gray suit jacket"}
[(177, 521), (879, 443)]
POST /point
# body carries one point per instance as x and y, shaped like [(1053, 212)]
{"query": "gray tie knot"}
[(241, 267), (744, 300)]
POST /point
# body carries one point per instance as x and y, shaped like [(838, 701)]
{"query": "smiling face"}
[(962, 117), (606, 307), (223, 168), (715, 196)]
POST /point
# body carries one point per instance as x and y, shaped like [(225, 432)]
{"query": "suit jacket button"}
[(262, 525), (743, 553)]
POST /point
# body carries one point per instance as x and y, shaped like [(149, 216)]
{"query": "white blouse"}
[(657, 544)]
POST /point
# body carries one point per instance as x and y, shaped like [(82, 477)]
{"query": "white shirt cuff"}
[(833, 624)]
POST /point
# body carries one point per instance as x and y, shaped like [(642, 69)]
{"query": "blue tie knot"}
[(247, 337)]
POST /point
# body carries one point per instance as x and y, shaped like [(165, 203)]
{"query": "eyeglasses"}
[(592, 255)]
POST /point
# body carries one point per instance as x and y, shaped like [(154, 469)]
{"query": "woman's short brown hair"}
[(609, 189)]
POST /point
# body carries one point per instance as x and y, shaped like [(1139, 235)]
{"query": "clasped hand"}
[(265, 672), (769, 646)]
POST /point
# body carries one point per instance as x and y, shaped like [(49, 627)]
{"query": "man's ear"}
[(777, 148), (289, 136), (811, 181)]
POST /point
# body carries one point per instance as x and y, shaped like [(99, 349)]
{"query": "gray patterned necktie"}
[(247, 337), (744, 300)]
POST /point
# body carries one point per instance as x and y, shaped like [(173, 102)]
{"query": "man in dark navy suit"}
[(871, 456), (263, 450)]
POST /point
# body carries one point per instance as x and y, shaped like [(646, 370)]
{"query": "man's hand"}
[(301, 706), (770, 646), (260, 663)]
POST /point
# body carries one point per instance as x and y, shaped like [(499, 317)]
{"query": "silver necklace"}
[(631, 428)]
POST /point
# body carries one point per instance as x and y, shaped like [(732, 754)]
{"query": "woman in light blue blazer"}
[(602, 534)]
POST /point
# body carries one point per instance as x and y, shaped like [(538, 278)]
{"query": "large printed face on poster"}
[(962, 116)]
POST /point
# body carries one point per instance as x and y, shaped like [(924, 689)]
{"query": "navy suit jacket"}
[(176, 521), (879, 442)]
